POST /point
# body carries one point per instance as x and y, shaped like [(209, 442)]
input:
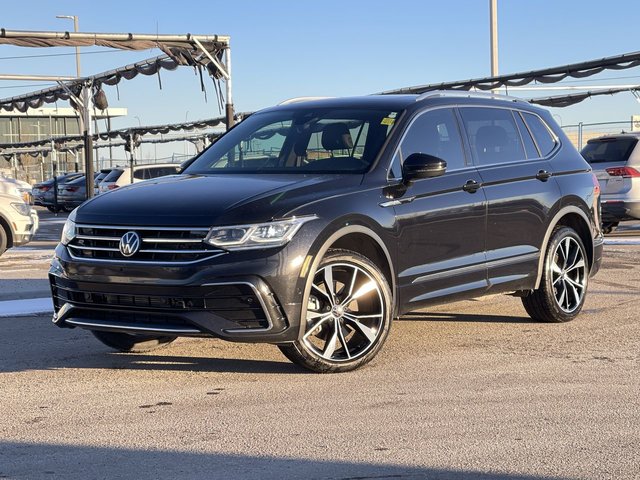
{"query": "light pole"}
[(493, 21), (75, 29), (139, 122)]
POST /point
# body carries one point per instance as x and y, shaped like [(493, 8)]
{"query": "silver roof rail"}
[(468, 94), (301, 99)]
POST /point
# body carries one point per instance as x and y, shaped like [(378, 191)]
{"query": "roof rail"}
[(465, 93), (301, 99)]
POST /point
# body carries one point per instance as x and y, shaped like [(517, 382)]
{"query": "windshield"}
[(609, 150), (300, 141)]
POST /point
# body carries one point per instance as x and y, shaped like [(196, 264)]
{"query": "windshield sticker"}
[(387, 121)]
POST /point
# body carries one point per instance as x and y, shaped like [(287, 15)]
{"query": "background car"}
[(99, 178), (44, 193), (24, 188), (18, 221), (121, 176), (615, 160)]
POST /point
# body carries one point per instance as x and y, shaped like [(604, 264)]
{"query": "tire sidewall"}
[(559, 235), (318, 363)]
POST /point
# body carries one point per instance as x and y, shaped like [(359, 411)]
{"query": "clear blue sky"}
[(288, 48)]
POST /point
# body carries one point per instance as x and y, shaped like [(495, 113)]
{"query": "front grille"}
[(157, 244), (236, 302)]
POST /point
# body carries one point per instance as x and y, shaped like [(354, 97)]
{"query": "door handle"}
[(543, 175), (471, 186)]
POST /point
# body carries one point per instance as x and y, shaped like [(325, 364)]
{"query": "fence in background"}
[(581, 133)]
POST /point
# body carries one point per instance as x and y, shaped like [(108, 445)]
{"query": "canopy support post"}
[(87, 105), (229, 105)]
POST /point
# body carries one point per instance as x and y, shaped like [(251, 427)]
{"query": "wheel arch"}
[(575, 218), (363, 240)]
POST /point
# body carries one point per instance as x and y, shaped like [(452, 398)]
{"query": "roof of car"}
[(399, 102), (615, 136), (387, 102)]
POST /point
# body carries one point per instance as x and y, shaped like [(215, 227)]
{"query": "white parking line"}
[(27, 307), (622, 241)]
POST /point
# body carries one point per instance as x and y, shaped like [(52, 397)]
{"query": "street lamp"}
[(139, 122), (75, 29)]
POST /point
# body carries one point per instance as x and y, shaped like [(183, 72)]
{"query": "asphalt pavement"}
[(470, 390)]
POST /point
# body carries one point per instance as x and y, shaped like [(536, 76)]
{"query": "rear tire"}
[(125, 342), (607, 228), (564, 282), (347, 317)]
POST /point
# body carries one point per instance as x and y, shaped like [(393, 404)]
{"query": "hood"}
[(205, 200)]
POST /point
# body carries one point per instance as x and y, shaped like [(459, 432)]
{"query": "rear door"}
[(520, 191), (441, 220)]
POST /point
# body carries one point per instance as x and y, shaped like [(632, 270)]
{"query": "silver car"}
[(615, 160)]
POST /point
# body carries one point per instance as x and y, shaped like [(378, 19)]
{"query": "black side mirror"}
[(422, 165)]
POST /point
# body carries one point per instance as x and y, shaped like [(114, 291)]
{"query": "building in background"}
[(44, 123)]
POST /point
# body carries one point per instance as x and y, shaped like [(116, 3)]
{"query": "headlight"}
[(68, 232), (22, 208), (260, 235)]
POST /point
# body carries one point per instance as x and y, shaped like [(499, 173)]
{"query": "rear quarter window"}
[(113, 176), (603, 150), (545, 140)]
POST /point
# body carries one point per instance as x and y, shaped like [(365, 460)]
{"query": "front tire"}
[(125, 342), (347, 317), (563, 286), (3, 239)]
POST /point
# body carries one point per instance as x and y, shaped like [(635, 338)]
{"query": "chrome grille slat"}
[(162, 245), (170, 240)]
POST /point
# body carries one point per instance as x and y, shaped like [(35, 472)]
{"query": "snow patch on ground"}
[(25, 308)]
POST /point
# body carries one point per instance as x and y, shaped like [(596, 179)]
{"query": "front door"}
[(440, 221)]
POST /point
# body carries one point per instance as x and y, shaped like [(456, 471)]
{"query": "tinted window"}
[(320, 140), (609, 150), (543, 137), (493, 135), (113, 176), (529, 146), (435, 133), (141, 174)]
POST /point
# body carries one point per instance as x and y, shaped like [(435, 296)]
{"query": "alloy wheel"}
[(345, 313), (569, 274)]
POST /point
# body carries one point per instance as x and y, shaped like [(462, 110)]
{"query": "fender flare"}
[(337, 235), (552, 225)]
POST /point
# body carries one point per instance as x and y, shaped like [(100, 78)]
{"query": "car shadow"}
[(463, 317), (72, 461)]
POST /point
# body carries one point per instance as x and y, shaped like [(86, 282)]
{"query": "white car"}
[(615, 160), (121, 176), (18, 221)]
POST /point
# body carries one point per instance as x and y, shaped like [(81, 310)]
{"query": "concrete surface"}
[(471, 390)]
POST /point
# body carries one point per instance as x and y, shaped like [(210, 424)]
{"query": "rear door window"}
[(493, 135), (545, 140), (604, 150)]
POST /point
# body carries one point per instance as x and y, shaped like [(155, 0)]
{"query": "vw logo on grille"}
[(129, 244)]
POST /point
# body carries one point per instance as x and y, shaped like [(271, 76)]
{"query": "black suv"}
[(311, 225)]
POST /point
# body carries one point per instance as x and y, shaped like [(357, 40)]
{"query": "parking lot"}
[(471, 390)]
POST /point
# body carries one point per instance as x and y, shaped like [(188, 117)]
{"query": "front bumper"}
[(250, 296)]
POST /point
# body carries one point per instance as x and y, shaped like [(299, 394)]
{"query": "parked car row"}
[(69, 190), (18, 221)]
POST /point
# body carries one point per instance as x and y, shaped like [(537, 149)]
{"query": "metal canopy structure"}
[(546, 75), (211, 53)]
